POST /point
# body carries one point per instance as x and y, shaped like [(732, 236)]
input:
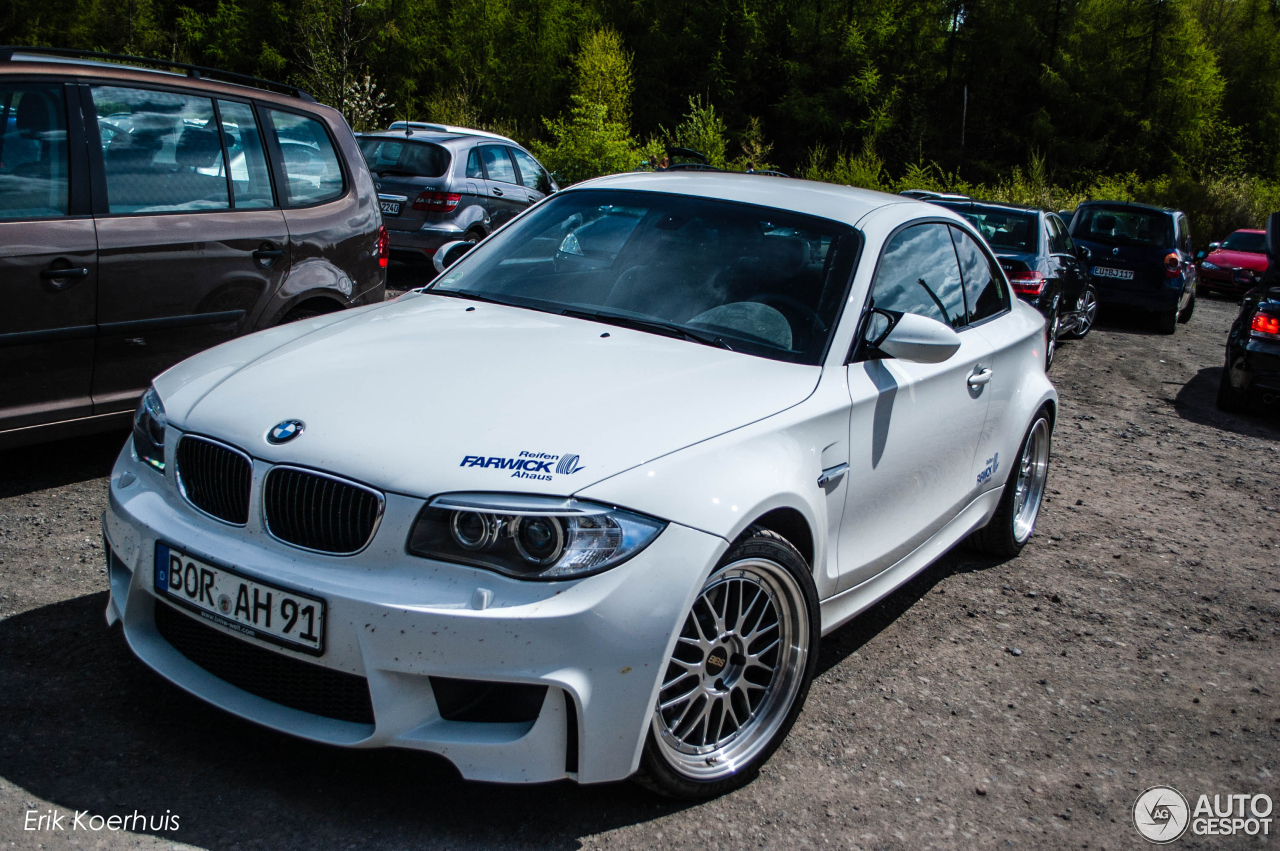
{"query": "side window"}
[(250, 177), (498, 164), (160, 150), (532, 175), (310, 164), (984, 285), (33, 151), (1184, 235), (918, 274), (474, 169), (1060, 242)]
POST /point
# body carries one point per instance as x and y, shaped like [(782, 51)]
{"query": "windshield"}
[(419, 159), (1004, 230), (751, 279), (1124, 226), (1243, 240)]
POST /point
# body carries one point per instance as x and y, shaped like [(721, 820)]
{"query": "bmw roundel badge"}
[(285, 431)]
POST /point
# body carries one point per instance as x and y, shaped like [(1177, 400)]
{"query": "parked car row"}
[(1251, 372), (1067, 264), (147, 215)]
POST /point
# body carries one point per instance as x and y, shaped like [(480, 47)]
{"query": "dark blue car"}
[(1139, 256)]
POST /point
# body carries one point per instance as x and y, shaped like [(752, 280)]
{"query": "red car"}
[(1236, 265)]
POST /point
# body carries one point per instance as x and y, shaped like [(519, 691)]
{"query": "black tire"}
[(473, 236), (998, 538), (1051, 337), (1230, 399), (1167, 322), (657, 773), (1185, 315), (300, 313), (1086, 309)]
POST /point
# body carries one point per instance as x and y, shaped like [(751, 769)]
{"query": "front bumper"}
[(599, 644)]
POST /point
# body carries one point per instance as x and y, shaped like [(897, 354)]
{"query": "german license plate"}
[(1118, 274), (390, 208), (235, 602)]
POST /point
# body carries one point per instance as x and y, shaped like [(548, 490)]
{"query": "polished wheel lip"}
[(728, 753), (1029, 486)]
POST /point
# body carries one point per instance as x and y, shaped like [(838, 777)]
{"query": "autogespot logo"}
[(285, 431), (1161, 814)]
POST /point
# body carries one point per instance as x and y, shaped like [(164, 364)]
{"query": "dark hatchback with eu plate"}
[(1140, 256)]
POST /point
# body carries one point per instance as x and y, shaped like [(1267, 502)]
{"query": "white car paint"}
[(398, 395)]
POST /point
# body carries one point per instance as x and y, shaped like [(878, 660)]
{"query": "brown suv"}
[(147, 215)]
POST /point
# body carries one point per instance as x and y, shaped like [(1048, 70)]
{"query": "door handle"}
[(497, 191), (980, 378), (73, 272), (267, 254)]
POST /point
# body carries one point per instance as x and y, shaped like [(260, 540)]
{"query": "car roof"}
[(448, 139), (1248, 230), (1133, 204), (999, 205), (448, 129), (33, 64), (809, 197)]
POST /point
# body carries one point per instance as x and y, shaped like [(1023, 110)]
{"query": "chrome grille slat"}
[(319, 512), (215, 478)]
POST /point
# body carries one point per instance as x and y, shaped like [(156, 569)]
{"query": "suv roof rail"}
[(432, 127), (9, 52)]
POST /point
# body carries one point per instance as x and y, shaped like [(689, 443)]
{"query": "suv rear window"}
[(398, 156), (1124, 226)]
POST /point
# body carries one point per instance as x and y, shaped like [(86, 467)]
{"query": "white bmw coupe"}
[(584, 506)]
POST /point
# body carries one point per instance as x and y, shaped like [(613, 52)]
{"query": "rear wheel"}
[(739, 673), (1167, 322), (300, 313), (1230, 399), (1015, 519), (1051, 337)]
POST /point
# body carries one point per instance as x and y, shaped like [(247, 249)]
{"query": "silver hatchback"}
[(438, 184)]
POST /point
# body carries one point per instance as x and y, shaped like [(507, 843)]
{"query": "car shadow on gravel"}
[(848, 639), (1196, 401), (86, 726), (60, 463)]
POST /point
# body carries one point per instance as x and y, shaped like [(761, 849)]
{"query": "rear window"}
[(1253, 243), (400, 156), (1004, 230), (1124, 226)]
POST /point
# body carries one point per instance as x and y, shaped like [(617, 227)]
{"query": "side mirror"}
[(910, 337), (1273, 236), (1200, 255), (1213, 246), (449, 253), (1082, 252)]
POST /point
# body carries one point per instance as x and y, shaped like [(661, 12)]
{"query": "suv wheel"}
[(1167, 322), (739, 673), (1185, 316)]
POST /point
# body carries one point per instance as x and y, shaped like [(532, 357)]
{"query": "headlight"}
[(148, 429), (1207, 265), (531, 537)]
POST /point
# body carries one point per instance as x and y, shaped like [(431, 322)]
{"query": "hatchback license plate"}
[(1118, 274), (390, 208), (235, 602)]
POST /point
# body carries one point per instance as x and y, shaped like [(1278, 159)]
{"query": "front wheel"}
[(1011, 526), (739, 674)]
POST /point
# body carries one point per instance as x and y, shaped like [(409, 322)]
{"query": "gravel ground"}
[(1021, 703)]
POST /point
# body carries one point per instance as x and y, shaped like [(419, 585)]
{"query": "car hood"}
[(1238, 260), (433, 394)]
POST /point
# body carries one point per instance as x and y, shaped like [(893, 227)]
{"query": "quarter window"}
[(918, 274), (474, 168), (33, 152), (250, 178), (984, 286), (532, 175), (311, 168), (160, 150), (498, 164)]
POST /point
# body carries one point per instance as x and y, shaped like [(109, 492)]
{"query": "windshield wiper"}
[(653, 326)]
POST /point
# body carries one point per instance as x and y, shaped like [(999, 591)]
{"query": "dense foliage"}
[(1181, 98)]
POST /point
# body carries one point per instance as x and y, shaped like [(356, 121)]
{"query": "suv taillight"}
[(437, 202), (1266, 325), (1027, 283), (1172, 265), (384, 246)]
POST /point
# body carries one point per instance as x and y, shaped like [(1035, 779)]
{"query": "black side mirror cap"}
[(1082, 252)]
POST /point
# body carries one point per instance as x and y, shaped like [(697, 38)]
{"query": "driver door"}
[(913, 427)]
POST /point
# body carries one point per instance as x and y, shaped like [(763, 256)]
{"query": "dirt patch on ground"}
[(1026, 702)]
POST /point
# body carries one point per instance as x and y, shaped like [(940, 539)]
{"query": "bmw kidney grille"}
[(215, 478), (320, 512)]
